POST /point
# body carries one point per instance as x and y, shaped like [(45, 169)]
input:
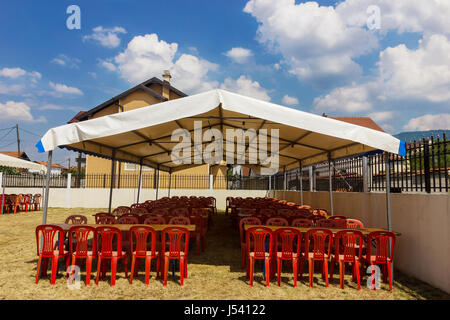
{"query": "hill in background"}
[(419, 135)]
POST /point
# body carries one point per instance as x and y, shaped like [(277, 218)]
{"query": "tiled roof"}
[(360, 121)]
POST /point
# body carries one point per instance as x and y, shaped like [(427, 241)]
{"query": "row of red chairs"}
[(105, 243), (13, 203), (288, 244), (201, 226)]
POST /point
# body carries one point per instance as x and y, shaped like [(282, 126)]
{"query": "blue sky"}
[(319, 56)]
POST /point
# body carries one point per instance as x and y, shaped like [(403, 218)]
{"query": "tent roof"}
[(144, 135), (7, 161)]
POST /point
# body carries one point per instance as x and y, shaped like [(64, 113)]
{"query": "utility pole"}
[(18, 141), (69, 164)]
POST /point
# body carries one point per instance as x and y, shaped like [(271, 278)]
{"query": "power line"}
[(34, 134), (11, 129)]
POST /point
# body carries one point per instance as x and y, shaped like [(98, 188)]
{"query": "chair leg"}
[(325, 271), (341, 274), (133, 261), (357, 274), (278, 271), (113, 271), (158, 266), (251, 266), (88, 270), (38, 268), (99, 263), (333, 262), (267, 261), (182, 266), (390, 275), (166, 269), (294, 269), (148, 262), (311, 270), (54, 269)]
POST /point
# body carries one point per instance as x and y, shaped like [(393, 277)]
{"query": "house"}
[(56, 169), (147, 93)]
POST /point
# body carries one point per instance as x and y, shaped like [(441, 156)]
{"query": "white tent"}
[(8, 161), (144, 135)]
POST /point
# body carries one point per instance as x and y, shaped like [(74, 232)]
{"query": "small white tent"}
[(12, 162)]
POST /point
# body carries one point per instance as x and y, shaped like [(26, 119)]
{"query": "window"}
[(130, 166)]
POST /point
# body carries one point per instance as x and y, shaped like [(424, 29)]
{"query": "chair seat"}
[(88, 253), (311, 255), (167, 254), (372, 258), (56, 253), (266, 254), (114, 254), (280, 254), (148, 254)]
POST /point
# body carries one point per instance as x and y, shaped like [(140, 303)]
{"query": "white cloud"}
[(147, 56), (108, 65), (290, 101), (66, 61), (11, 89), (246, 87), (317, 44), (12, 73), (346, 99), (17, 111), (62, 88), (429, 122), (381, 116), (239, 55), (106, 37)]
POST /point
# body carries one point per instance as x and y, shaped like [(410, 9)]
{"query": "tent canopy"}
[(7, 161), (144, 135)]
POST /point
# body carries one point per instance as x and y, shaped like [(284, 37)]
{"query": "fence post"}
[(426, 166), (365, 174), (69, 183)]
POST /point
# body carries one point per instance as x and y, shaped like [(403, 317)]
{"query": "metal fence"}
[(425, 168)]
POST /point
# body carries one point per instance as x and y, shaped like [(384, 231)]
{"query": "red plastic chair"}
[(327, 223), (16, 202), (285, 239), (154, 220), (76, 219), (180, 212), (139, 210), (106, 219), (242, 222), (48, 233), (337, 217), (320, 212), (141, 249), (121, 210), (82, 248), (353, 224), (316, 218), (200, 232), (285, 212), (317, 248), (179, 220), (127, 219), (106, 245), (381, 240), (277, 221), (340, 221), (302, 222), (257, 240), (267, 212), (26, 202), (173, 250), (37, 202), (347, 250), (160, 211)]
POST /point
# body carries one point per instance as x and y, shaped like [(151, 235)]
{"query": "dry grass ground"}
[(215, 274)]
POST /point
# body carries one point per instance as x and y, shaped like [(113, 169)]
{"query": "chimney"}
[(165, 89)]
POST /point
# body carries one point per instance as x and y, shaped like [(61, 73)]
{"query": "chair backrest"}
[(302, 222), (121, 210), (268, 211), (244, 221), (171, 241), (82, 234), (180, 211), (179, 220), (139, 238), (200, 211), (261, 238), (353, 224), (320, 212), (316, 218), (381, 241), (285, 212), (139, 210), (327, 223), (277, 221), (127, 219), (302, 212), (154, 220), (105, 219), (48, 233), (337, 217), (290, 240), (109, 238), (76, 219), (320, 241), (198, 221), (37, 198), (348, 243), (161, 211), (247, 211)]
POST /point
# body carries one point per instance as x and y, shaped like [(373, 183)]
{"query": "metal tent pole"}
[(139, 182), (3, 192), (284, 184), (113, 171), (47, 189), (157, 183), (330, 178), (301, 182), (388, 204)]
